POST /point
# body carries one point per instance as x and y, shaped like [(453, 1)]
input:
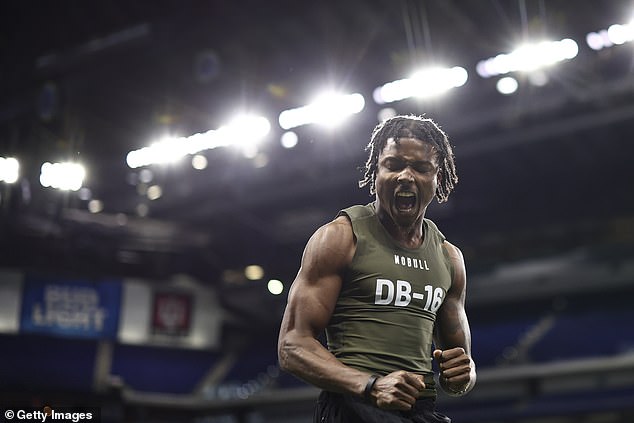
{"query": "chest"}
[(387, 277)]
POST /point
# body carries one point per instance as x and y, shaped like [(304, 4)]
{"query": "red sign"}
[(171, 313)]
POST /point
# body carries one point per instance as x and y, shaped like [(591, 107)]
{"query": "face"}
[(406, 180)]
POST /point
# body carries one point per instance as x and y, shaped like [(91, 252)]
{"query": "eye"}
[(393, 165), (423, 168)]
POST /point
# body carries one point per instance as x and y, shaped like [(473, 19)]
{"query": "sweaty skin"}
[(407, 168)]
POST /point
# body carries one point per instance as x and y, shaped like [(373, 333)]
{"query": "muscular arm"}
[(452, 332), (311, 302)]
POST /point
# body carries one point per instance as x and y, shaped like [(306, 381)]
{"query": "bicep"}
[(315, 290), (310, 304)]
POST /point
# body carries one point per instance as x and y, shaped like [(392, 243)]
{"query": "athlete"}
[(388, 290)]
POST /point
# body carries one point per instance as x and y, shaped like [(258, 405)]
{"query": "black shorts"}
[(339, 408)]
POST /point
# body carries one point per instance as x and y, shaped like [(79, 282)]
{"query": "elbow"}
[(291, 355), (284, 355)]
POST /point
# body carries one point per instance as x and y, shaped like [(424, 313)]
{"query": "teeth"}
[(405, 194)]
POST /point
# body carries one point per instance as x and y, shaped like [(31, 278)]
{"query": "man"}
[(385, 285)]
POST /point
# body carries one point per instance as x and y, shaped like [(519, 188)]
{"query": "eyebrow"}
[(397, 159)]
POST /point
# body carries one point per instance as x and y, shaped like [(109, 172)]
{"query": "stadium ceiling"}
[(90, 82)]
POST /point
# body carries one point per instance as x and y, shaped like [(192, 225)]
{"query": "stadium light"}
[(528, 58), (616, 34), (328, 109), (275, 286), (199, 162), (63, 176), (425, 83), (244, 131), (507, 85), (95, 206), (9, 169), (289, 139)]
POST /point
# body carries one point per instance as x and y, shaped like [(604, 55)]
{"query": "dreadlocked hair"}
[(420, 128)]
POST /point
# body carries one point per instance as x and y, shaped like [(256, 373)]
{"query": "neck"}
[(408, 235)]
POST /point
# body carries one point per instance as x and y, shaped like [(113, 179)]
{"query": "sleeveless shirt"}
[(384, 317)]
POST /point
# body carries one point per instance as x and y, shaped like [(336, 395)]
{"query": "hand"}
[(455, 369), (398, 390)]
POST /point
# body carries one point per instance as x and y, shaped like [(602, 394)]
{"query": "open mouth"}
[(405, 201)]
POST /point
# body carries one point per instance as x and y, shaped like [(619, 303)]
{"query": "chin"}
[(405, 217)]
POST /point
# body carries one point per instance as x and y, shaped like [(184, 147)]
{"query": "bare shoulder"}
[(330, 249), (336, 233), (453, 252), (458, 266), (340, 223)]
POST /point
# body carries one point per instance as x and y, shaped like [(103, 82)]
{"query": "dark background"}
[(543, 172)]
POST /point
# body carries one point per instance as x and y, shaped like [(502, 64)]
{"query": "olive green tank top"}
[(384, 317)]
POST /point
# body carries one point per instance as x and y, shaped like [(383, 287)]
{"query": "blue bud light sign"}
[(81, 309)]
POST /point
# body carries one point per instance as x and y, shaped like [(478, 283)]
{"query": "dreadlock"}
[(420, 128)]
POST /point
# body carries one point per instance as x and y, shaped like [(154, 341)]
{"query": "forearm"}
[(307, 359), (453, 338)]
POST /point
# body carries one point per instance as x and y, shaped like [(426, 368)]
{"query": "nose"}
[(405, 176)]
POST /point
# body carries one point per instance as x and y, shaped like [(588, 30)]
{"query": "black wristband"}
[(367, 392)]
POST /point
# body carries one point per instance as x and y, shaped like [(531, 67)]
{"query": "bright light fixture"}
[(244, 131), (529, 57), (199, 162), (154, 192), (289, 139), (616, 34), (95, 206), (507, 85), (253, 272), (63, 176), (275, 287), (9, 169), (425, 83), (328, 109)]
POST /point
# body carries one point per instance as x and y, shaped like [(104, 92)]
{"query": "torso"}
[(384, 316)]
